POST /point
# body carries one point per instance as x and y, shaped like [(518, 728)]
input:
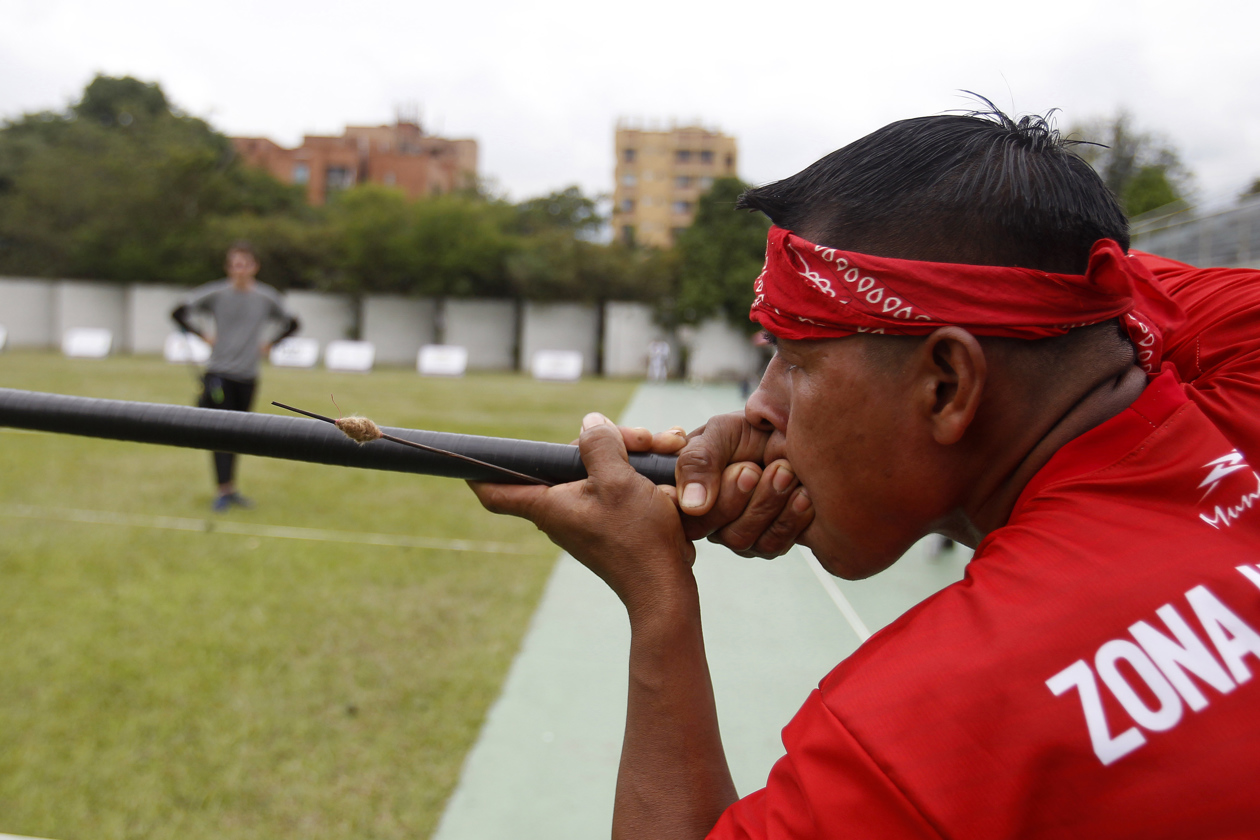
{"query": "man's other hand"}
[(615, 522)]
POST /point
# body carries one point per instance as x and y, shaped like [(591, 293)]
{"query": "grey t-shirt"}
[(240, 319)]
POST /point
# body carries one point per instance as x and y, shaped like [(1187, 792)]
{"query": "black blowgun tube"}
[(301, 439)]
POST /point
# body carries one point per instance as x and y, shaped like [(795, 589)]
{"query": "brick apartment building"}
[(399, 155), (659, 177)]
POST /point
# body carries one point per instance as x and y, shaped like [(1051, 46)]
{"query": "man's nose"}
[(766, 409)]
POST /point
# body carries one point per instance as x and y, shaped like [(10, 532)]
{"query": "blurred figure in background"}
[(764, 353), (658, 360), (243, 310)]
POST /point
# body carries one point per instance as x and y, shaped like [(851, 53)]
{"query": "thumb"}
[(724, 440), (602, 445)]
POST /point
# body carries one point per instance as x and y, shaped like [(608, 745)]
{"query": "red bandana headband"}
[(809, 291)]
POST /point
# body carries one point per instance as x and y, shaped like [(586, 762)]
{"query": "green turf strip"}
[(170, 683)]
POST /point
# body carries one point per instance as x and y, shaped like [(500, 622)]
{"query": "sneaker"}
[(240, 501), (222, 503)]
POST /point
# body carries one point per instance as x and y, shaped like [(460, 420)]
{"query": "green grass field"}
[(186, 684)]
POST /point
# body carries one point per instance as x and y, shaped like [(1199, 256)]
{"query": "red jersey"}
[(1092, 676)]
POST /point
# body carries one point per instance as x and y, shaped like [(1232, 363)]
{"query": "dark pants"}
[(231, 395)]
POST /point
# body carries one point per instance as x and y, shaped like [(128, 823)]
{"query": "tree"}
[(113, 101), (556, 257), (567, 209), (622, 272), (123, 187), (372, 228), (1253, 190), (1142, 169), (719, 256), (546, 262), (452, 244), (462, 243)]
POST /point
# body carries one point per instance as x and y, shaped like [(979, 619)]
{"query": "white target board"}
[(182, 348), (442, 360), (295, 352), (354, 356), (557, 365), (87, 342)]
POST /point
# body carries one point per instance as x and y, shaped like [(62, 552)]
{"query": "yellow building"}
[(659, 177)]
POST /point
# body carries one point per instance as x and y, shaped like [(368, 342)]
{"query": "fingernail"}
[(746, 480), (693, 495), (783, 479), (802, 502), (680, 431), (592, 420), (643, 429)]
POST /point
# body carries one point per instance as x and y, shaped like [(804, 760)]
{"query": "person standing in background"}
[(242, 310), (658, 360)]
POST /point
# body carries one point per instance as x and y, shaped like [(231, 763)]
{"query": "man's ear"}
[(953, 376)]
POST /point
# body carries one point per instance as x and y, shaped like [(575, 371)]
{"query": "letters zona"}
[(1162, 663)]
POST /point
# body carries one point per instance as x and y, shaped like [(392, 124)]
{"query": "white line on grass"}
[(830, 586), (175, 523)]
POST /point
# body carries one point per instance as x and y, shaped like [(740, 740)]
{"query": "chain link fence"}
[(1229, 237)]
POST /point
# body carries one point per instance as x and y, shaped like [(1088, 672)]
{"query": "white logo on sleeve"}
[(1221, 467), (1164, 663), (1224, 515)]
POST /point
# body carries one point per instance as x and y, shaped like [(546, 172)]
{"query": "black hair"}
[(979, 188), (243, 246)]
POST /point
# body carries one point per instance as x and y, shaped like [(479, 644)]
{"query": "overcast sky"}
[(542, 84)]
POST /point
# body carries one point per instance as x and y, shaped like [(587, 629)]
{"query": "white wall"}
[(26, 311), (84, 303), (149, 316), (628, 328), (37, 312), (486, 327), (398, 326), (719, 351), (323, 317), (560, 326)]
